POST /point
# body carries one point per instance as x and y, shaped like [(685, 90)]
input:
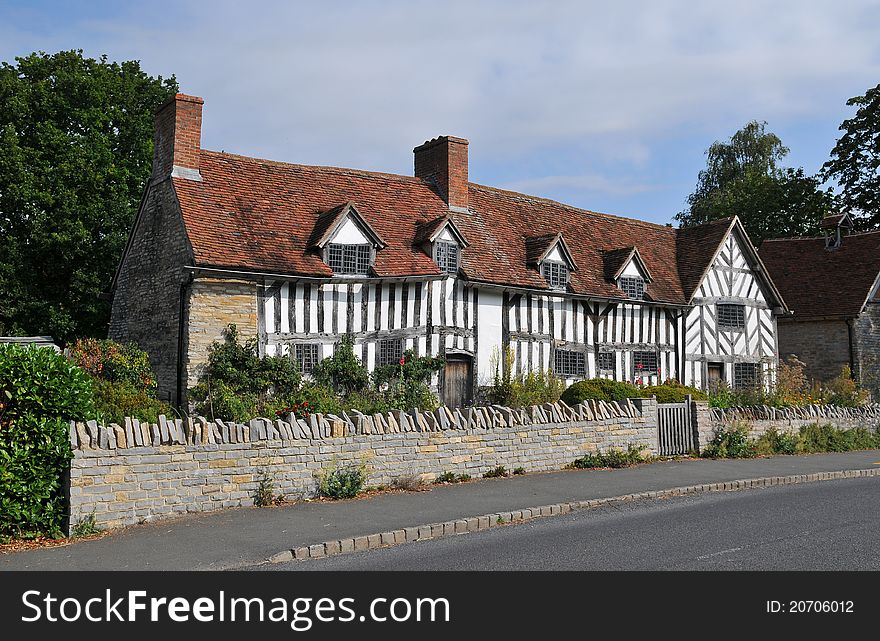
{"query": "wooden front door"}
[(458, 380), (715, 375)]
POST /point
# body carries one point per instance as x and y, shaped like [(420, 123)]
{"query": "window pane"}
[(306, 357), (633, 287), (569, 364), (731, 316), (645, 363), (607, 361), (556, 274), (746, 375), (349, 259), (446, 255), (389, 351)]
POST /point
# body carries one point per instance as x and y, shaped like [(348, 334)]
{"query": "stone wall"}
[(823, 346), (213, 305), (138, 472), (146, 300), (866, 330), (789, 419)]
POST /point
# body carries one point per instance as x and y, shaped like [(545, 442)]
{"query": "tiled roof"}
[(258, 215), (817, 282), (696, 247)]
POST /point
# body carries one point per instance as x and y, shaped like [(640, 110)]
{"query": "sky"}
[(605, 106)]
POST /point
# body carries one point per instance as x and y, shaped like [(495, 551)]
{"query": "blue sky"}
[(609, 108)]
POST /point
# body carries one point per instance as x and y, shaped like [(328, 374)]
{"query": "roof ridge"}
[(787, 238), (542, 199), (281, 163)]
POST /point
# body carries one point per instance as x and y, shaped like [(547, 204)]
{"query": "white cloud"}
[(361, 83)]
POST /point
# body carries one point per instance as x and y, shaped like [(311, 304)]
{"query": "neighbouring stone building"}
[(831, 285), (301, 256)]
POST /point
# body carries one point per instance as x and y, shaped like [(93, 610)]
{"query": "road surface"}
[(833, 525)]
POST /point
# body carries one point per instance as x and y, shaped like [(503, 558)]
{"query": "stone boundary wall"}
[(141, 471), (762, 418)]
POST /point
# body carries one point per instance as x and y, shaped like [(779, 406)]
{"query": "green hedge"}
[(673, 392), (39, 392), (599, 389)]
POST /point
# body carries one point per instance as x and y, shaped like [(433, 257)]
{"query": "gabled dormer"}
[(627, 270), (346, 242), (835, 228), (443, 241), (551, 256)]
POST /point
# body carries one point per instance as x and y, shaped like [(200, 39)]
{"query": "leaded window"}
[(570, 364), (306, 356), (446, 256), (556, 274), (645, 363), (746, 375), (632, 286), (731, 316), (389, 351), (349, 259), (606, 362)]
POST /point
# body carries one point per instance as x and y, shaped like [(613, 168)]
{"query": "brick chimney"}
[(444, 162), (178, 138)]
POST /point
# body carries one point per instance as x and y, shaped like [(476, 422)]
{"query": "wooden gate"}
[(676, 429)]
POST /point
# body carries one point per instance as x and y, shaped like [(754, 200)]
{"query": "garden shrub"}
[(114, 362), (599, 389), (732, 442), (776, 442), (843, 391), (522, 390), (673, 392), (123, 381), (343, 371), (824, 437), (406, 385), (343, 482), (40, 391), (238, 384), (115, 401)]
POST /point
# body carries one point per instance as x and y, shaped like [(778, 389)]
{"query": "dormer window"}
[(556, 274), (446, 256), (349, 259), (552, 258), (625, 268), (345, 241), (442, 240), (632, 286)]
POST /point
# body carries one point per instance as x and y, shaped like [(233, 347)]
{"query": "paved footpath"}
[(243, 537)]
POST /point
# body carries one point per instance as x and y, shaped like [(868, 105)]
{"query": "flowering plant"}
[(299, 410)]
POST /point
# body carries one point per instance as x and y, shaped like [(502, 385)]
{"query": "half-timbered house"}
[(300, 256)]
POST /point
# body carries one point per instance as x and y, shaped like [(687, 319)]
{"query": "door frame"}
[(459, 357)]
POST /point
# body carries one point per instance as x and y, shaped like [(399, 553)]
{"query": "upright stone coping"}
[(201, 431), (136, 472)]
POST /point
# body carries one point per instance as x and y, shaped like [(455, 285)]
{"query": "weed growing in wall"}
[(613, 458)]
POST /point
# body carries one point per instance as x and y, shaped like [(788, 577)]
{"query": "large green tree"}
[(743, 177), (855, 161), (75, 152)]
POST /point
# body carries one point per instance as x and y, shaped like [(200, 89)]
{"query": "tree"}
[(743, 178), (75, 153), (855, 161)]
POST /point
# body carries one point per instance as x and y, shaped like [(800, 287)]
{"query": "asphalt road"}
[(833, 525)]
